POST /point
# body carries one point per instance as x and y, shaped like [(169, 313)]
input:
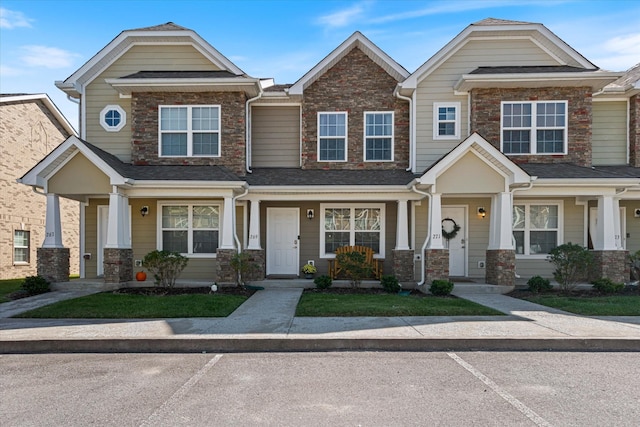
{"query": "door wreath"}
[(451, 232)]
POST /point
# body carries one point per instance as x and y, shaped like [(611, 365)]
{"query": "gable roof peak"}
[(497, 21), (168, 26)]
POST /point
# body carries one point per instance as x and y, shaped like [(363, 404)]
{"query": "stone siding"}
[(501, 267), (53, 264), (225, 274), (634, 131), (28, 132), (354, 85), (145, 133), (118, 265), (612, 265), (258, 258), (436, 262), (403, 265), (486, 114)]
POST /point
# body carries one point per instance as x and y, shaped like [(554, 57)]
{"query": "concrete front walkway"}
[(267, 322)]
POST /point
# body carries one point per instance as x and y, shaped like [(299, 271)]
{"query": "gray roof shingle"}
[(525, 69), (206, 74), (571, 171), (300, 177)]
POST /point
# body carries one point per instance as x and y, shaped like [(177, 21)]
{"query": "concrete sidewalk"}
[(267, 322)]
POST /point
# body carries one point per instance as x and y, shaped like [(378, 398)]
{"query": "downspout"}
[(411, 127), (247, 136), (528, 187), (426, 240), (77, 102), (233, 215)]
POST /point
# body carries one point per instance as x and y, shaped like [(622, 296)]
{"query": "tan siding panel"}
[(609, 133), (275, 136)]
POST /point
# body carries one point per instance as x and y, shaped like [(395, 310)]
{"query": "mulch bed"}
[(156, 290), (578, 293), (360, 291)]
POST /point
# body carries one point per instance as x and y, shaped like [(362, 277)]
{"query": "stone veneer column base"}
[(224, 272), (257, 257), (436, 263), (611, 265), (501, 267), (403, 266), (53, 264), (118, 265)]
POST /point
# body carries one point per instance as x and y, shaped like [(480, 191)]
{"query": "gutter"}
[(233, 215), (426, 240), (247, 135), (412, 127)]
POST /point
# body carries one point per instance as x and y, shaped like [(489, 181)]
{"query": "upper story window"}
[(534, 127), (21, 246), (332, 137), (536, 227), (446, 120), (190, 229), (378, 136), (113, 118), (190, 131)]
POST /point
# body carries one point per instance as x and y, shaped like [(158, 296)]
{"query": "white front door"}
[(283, 243), (451, 216)]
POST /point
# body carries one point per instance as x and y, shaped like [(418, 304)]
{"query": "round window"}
[(113, 118)]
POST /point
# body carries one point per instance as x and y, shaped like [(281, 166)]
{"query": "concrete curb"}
[(253, 345)]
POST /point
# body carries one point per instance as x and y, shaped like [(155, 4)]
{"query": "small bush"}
[(322, 282), (35, 285), (572, 264), (355, 267), (165, 266), (539, 284), (243, 264), (441, 288), (390, 284), (607, 286)]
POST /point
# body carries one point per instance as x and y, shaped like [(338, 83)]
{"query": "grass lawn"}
[(9, 286), (613, 305), (123, 306), (344, 305)]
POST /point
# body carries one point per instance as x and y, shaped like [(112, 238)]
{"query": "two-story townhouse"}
[(475, 165), (30, 127)]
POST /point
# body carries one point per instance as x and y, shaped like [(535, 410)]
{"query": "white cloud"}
[(10, 19), (48, 57), (9, 71), (343, 17)]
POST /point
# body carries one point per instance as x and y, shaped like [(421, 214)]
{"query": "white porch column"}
[(53, 225), (227, 224), (435, 222), (501, 222), (617, 227), (608, 210), (254, 226), (402, 227), (118, 225)]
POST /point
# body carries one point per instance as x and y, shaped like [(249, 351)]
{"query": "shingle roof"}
[(168, 26), (297, 177), (278, 88), (218, 74), (529, 69), (496, 21), (571, 171), (631, 76)]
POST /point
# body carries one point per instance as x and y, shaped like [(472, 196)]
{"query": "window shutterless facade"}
[(348, 225), (332, 137), (191, 229), (534, 127), (537, 227), (21, 247), (378, 136), (446, 120), (189, 131)]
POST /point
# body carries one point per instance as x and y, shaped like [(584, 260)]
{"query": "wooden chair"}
[(376, 265)]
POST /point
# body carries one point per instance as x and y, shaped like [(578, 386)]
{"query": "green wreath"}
[(451, 233)]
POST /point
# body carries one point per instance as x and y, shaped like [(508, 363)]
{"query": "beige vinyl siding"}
[(438, 87), (609, 133), (79, 176), (139, 58), (275, 136)]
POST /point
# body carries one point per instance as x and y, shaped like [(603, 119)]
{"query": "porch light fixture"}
[(310, 214), (144, 211), (482, 212)]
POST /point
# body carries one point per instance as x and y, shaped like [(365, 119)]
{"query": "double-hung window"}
[(21, 246), (348, 225), (332, 137), (190, 131), (378, 136), (446, 120), (536, 227), (534, 127), (190, 229)]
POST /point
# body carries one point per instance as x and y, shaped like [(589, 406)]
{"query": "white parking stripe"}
[(528, 412), (159, 415)]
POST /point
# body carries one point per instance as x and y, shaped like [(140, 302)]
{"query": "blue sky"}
[(42, 41)]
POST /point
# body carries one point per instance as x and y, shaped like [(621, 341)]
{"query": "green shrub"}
[(390, 284), (323, 282), (355, 267), (165, 266), (441, 288), (539, 284), (572, 264), (607, 286), (35, 285), (243, 264)]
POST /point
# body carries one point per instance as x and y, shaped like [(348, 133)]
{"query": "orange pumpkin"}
[(141, 276)]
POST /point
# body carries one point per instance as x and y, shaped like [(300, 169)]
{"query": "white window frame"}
[(345, 137), (189, 131), (533, 143), (527, 229), (190, 204), (103, 118), (437, 121), (352, 206), (15, 246), (366, 137)]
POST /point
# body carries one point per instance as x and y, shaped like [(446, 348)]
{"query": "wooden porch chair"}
[(376, 265)]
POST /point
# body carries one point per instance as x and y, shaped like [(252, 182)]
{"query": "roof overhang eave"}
[(596, 80), (144, 183), (127, 86)]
